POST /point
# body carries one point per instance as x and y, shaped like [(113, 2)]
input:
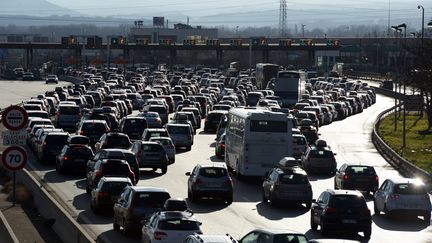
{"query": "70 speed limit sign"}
[(14, 158)]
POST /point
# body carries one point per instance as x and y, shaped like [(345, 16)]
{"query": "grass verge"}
[(418, 148)]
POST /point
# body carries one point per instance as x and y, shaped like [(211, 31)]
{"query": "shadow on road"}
[(280, 211), (54, 177), (207, 205), (214, 158), (316, 234), (400, 223), (82, 201)]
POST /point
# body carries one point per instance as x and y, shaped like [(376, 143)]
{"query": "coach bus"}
[(256, 140)]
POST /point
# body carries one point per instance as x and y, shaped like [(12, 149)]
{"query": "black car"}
[(108, 168), (342, 210), (106, 193), (113, 140), (133, 126), (212, 120), (50, 145), (93, 129), (73, 158), (356, 177)]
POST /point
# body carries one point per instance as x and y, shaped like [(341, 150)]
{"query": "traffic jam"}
[(114, 125)]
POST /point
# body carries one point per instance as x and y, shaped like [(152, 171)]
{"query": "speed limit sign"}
[(14, 158)]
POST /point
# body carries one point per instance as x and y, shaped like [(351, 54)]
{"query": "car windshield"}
[(360, 170), (288, 238), (69, 110), (409, 189), (56, 139), (160, 110), (152, 148), (95, 127), (325, 154), (178, 129), (162, 141), (178, 224), (115, 169), (82, 150), (120, 141), (115, 187), (268, 126), (213, 172), (345, 201), (151, 199), (135, 123), (299, 140), (296, 179)]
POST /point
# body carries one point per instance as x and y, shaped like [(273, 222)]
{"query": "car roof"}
[(177, 124), (400, 180), (115, 179), (345, 192), (94, 121), (217, 165), (148, 189), (176, 215), (278, 231), (117, 150), (156, 129)]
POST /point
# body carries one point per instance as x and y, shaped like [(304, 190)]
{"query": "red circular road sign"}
[(14, 118), (14, 158)]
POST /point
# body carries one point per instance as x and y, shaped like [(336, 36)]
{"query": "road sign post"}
[(14, 158)]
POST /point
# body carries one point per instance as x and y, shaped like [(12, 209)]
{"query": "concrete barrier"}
[(6, 233), (66, 227)]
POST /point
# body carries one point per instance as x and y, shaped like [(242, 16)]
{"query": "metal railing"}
[(402, 165)]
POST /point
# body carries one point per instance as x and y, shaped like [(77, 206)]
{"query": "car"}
[(162, 110), (319, 159), (107, 191), (73, 158), (136, 203), (203, 238), (403, 195), (169, 226), (28, 76), (332, 241), (67, 116), (133, 126), (93, 129), (300, 145), (220, 147), (212, 120), (176, 204), (181, 135), (273, 236), (210, 180), (113, 140), (344, 210), (287, 184), (122, 154), (154, 132), (51, 79), (107, 167), (50, 145), (78, 139), (153, 119), (168, 146), (356, 177), (150, 155)]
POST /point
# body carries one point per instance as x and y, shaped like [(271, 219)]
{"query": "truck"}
[(264, 73), (289, 86)]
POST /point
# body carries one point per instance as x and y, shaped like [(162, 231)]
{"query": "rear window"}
[(178, 224), (151, 115), (344, 201), (268, 126), (138, 123), (80, 150), (178, 129), (360, 170), (162, 141), (299, 140), (152, 148), (94, 127), (214, 116), (114, 187), (119, 141), (321, 154), (213, 172), (282, 238), (293, 179), (151, 199), (69, 110), (409, 189), (56, 139), (158, 109), (115, 169)]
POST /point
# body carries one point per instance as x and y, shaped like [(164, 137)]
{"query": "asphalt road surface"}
[(350, 139)]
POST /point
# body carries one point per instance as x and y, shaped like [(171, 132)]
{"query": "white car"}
[(196, 238), (169, 227), (403, 195), (51, 79)]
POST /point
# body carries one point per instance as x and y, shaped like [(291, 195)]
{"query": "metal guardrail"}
[(402, 165), (377, 77)]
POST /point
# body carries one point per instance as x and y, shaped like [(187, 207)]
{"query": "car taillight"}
[(158, 235), (376, 178), (365, 212), (222, 145), (228, 182), (276, 186), (79, 114), (158, 120), (394, 196), (99, 172), (131, 174), (82, 133), (58, 114), (103, 194), (65, 158), (345, 177), (330, 210), (44, 143)]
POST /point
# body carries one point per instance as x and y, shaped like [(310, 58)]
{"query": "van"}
[(181, 135)]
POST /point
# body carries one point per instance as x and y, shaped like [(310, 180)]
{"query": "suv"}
[(93, 129), (73, 157), (154, 132), (106, 193), (210, 180), (344, 210), (403, 195), (150, 155), (356, 177), (212, 120), (136, 203), (67, 116), (113, 140), (133, 126), (287, 184), (170, 226), (50, 145), (107, 167), (319, 159), (181, 135), (300, 145), (199, 238)]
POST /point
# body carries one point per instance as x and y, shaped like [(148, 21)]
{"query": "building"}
[(179, 34)]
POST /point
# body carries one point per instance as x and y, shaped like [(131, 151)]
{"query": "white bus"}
[(289, 86), (256, 140)]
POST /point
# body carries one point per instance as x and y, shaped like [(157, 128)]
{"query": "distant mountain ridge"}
[(33, 7)]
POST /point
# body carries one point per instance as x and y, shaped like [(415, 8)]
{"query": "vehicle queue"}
[(109, 128)]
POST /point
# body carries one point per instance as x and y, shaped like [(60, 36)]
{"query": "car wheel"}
[(88, 190), (194, 197), (116, 227), (229, 199), (154, 169), (264, 199), (188, 148), (427, 218), (324, 230), (313, 225), (367, 233), (164, 170), (272, 200), (376, 210), (308, 205)]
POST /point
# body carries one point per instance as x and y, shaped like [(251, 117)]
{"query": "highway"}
[(349, 138)]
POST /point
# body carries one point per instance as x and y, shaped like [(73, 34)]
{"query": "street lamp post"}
[(397, 30), (422, 34)]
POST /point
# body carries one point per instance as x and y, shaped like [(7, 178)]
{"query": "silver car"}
[(181, 135), (168, 145), (300, 145), (403, 195)]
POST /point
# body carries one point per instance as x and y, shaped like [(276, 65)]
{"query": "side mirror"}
[(188, 173), (319, 134), (314, 201), (334, 153)]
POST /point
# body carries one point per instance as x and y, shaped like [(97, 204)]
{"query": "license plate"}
[(349, 221), (213, 185)]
